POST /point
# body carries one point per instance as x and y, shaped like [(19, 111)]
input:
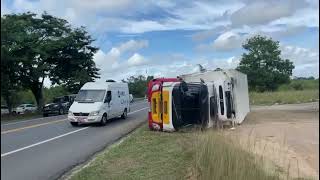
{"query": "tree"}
[(9, 65), (138, 85), (264, 67), (48, 47)]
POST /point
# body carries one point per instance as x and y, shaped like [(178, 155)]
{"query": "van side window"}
[(108, 97)]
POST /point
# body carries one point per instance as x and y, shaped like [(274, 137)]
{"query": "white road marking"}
[(54, 138), (138, 110), (23, 121), (36, 144)]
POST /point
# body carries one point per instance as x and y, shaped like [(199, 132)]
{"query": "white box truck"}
[(230, 90), (96, 102)]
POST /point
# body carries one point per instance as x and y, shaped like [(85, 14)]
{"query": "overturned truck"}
[(207, 98)]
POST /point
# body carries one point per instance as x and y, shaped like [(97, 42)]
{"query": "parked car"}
[(23, 108), (60, 105), (99, 102), (4, 109)]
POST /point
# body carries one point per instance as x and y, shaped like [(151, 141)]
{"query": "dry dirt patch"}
[(287, 135)]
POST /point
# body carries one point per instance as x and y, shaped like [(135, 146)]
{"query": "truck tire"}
[(74, 124), (124, 114), (45, 115), (103, 120)]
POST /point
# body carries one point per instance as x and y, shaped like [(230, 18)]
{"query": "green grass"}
[(284, 97), (217, 157), (303, 84), (191, 155)]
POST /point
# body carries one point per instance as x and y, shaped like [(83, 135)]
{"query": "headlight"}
[(94, 113), (70, 113)]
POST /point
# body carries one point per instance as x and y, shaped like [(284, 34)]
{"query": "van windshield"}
[(90, 96)]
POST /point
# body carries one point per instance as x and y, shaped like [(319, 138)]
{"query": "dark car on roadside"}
[(60, 105)]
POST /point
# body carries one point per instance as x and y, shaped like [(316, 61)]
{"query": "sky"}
[(166, 38)]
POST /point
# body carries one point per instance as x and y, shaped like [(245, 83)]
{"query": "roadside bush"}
[(297, 86)]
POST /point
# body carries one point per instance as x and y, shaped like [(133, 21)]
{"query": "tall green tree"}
[(264, 67), (9, 65), (48, 47), (138, 85)]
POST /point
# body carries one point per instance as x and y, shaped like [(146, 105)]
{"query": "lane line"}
[(23, 121), (32, 126), (139, 103), (138, 110), (51, 122), (54, 138), (42, 142)]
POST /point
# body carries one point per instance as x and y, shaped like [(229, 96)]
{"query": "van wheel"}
[(74, 124), (124, 114), (103, 121)]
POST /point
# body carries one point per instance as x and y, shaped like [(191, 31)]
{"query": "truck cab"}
[(155, 100)]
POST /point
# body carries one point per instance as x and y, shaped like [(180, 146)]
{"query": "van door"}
[(116, 105), (108, 105), (121, 101)]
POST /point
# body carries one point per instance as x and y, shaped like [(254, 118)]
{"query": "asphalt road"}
[(46, 148)]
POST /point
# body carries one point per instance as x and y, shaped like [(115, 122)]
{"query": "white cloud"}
[(227, 41), (133, 45), (136, 60), (306, 61), (208, 34), (110, 60), (284, 18), (304, 17), (260, 12), (224, 42), (113, 64), (103, 5)]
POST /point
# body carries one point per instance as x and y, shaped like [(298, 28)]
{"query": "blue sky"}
[(168, 38)]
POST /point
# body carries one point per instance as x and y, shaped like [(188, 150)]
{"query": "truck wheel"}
[(124, 114), (103, 121), (74, 124), (45, 115)]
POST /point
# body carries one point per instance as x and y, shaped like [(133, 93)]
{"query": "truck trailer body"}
[(231, 89)]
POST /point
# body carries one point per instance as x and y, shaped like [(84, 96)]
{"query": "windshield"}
[(90, 96)]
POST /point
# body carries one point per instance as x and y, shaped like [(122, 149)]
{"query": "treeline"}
[(138, 85), (34, 48), (26, 97)]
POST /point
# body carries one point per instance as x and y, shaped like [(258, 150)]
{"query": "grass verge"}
[(283, 97), (190, 155)]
